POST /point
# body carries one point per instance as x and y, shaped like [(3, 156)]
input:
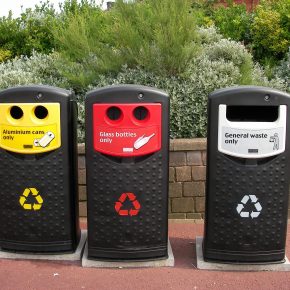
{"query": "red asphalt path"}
[(21, 274)]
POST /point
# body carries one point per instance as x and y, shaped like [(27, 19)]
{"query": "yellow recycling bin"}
[(38, 170)]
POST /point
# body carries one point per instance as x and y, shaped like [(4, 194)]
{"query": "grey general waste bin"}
[(247, 175)]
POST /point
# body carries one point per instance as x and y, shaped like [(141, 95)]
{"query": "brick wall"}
[(187, 171), (82, 181)]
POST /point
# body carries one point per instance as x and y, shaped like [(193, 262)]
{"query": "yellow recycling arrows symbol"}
[(28, 206)]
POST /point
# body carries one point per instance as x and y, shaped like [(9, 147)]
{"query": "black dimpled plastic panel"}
[(229, 184), (49, 175), (107, 181)]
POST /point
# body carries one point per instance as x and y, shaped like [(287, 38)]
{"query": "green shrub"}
[(37, 69), (157, 36), (270, 31), (203, 11), (259, 77), (30, 31), (219, 64), (283, 70), (83, 41), (69, 7), (270, 39), (4, 54), (233, 21), (231, 52), (265, 30), (209, 35), (10, 36)]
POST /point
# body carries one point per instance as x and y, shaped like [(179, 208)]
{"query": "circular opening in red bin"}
[(114, 114), (141, 114), (16, 112)]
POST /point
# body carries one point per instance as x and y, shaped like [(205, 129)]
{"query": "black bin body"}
[(247, 175), (38, 170), (127, 172)]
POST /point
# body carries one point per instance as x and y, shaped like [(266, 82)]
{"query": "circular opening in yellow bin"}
[(40, 112), (16, 112)]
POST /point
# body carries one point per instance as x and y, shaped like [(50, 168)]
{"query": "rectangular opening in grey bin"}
[(252, 113)]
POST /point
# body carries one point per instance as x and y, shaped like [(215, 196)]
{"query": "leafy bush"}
[(83, 39), (37, 69), (270, 37), (231, 52), (283, 70), (220, 63), (157, 36), (233, 21), (30, 31), (209, 35), (4, 54), (265, 30)]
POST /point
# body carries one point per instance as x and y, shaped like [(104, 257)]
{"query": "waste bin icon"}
[(127, 172), (38, 170), (247, 175)]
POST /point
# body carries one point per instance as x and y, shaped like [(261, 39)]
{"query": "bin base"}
[(75, 256), (167, 262), (203, 265)]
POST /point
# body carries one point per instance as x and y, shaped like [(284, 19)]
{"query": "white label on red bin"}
[(126, 142)]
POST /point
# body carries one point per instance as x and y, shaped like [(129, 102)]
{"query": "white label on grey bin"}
[(252, 143)]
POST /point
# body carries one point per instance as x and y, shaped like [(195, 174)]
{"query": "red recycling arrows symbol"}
[(125, 212)]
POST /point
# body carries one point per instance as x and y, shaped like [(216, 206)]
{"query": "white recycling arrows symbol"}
[(245, 214)]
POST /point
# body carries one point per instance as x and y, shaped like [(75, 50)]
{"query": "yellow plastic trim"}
[(29, 134)]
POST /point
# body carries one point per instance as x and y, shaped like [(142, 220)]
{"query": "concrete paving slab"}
[(169, 262), (76, 256), (203, 265)]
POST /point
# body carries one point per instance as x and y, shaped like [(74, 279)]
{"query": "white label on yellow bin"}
[(30, 135)]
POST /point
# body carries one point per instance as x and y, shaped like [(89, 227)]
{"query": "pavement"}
[(34, 274)]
